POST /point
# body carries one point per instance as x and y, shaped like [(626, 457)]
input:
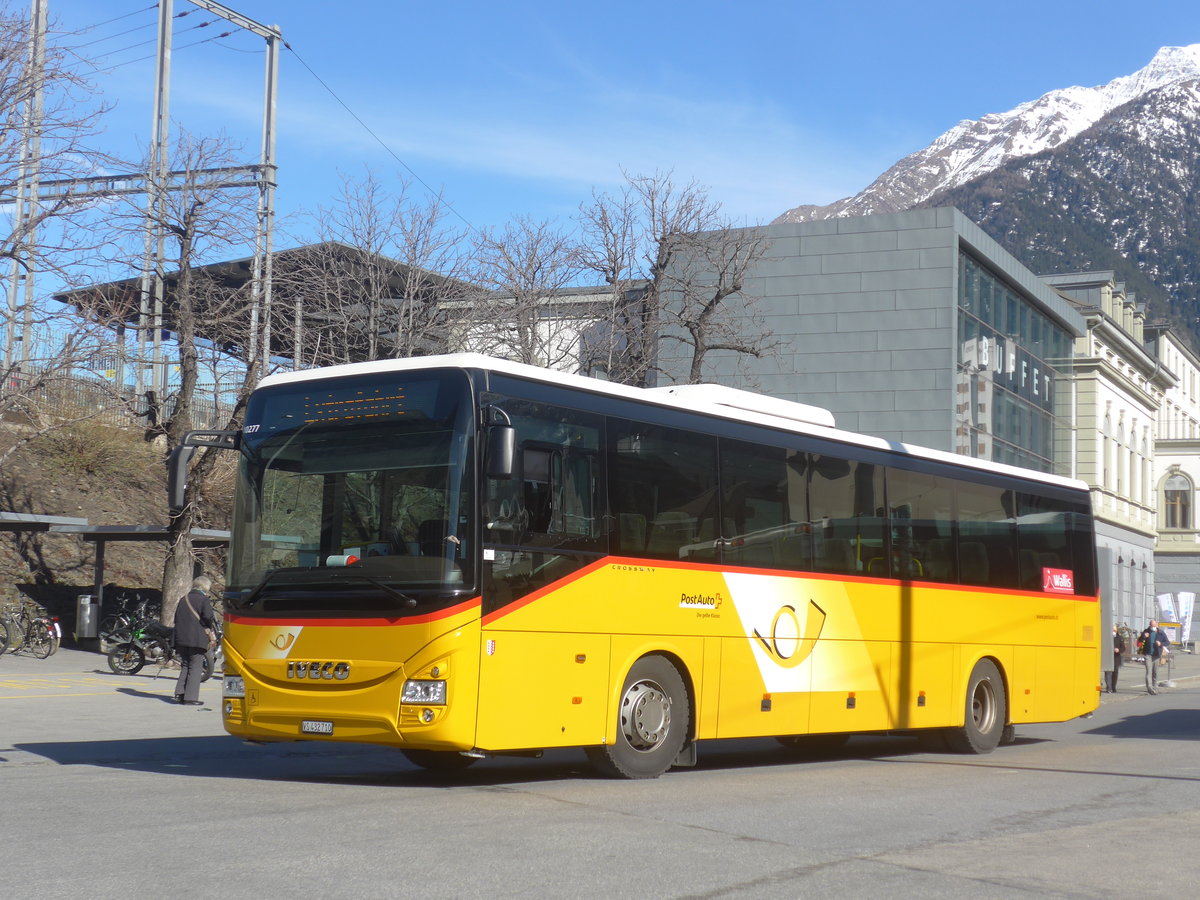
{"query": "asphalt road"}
[(107, 789)]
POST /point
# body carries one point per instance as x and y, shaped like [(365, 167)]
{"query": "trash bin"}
[(87, 617)]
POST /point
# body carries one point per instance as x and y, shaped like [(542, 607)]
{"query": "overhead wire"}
[(119, 18), (226, 34), (392, 153)]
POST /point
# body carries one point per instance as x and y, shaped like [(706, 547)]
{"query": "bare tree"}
[(371, 288), (705, 306), (671, 261), (523, 312), (47, 119), (202, 219)]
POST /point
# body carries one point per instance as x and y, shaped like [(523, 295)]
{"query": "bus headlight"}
[(430, 693), (233, 686)]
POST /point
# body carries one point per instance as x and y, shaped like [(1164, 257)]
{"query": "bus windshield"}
[(355, 496)]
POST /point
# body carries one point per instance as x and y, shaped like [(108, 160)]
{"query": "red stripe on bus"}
[(548, 589), (776, 573)]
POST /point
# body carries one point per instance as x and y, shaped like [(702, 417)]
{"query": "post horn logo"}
[(789, 644), (283, 641)]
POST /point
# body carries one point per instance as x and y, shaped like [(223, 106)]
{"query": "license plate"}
[(309, 726)]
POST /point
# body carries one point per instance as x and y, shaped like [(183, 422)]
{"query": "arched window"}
[(1177, 497)]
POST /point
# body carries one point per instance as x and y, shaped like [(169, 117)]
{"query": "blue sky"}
[(525, 107)]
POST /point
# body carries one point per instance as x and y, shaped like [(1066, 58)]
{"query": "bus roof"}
[(718, 401)]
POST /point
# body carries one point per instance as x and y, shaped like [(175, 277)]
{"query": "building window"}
[(1177, 497), (1012, 353)]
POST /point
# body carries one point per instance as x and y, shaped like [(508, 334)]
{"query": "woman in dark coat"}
[(194, 620), (1118, 654)]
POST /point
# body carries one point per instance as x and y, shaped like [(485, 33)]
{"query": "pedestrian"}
[(194, 635), (1153, 643), (1118, 654)]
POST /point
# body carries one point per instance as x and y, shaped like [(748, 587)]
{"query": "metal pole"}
[(20, 292), (150, 305)]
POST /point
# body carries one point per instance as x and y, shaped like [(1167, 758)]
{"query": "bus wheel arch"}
[(985, 711), (655, 712)]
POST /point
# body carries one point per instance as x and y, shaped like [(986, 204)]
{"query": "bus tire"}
[(653, 722), (985, 714), (439, 760)]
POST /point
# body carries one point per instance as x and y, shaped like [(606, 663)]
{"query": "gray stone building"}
[(914, 327)]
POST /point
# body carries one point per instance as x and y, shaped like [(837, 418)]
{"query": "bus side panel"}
[(924, 674), (1022, 685), (1087, 664), (708, 701), (543, 689), (747, 708), (853, 686)]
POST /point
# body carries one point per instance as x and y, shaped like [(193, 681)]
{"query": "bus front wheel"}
[(652, 723), (986, 712)]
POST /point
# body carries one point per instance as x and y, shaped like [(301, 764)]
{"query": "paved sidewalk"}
[(1131, 681), (74, 697)]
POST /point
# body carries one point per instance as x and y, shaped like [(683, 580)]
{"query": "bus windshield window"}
[(356, 492)]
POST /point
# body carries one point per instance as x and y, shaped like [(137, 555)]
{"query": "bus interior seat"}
[(795, 552), (759, 553), (837, 555), (974, 559), (1031, 569), (670, 531), (632, 532), (939, 563)]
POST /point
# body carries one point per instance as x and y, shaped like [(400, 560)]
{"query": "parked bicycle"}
[(132, 610), (25, 627)]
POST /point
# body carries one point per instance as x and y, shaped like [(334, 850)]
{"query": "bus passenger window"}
[(987, 536), (764, 500), (664, 490), (845, 504), (921, 523)]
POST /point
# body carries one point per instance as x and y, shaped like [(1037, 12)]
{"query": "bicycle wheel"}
[(116, 627), (40, 638), (3, 636), (126, 659), (55, 637)]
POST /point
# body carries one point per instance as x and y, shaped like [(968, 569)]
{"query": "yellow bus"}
[(463, 557)]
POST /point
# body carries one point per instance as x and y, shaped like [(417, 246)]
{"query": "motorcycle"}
[(152, 642)]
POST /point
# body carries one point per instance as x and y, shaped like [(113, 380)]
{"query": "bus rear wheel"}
[(439, 760), (985, 714), (653, 721)]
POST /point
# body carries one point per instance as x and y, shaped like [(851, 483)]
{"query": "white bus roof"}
[(710, 399)]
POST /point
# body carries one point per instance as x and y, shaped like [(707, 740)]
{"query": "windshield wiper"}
[(259, 588), (386, 588), (337, 575)]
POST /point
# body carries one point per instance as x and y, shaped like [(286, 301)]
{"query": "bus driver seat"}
[(431, 537)]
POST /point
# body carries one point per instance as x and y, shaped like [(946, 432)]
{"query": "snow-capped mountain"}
[(1122, 195), (972, 149)]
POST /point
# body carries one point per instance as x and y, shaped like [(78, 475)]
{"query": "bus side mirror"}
[(501, 451), (177, 466), (177, 462)]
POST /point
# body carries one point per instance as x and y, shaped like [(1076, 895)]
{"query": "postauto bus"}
[(461, 557)]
